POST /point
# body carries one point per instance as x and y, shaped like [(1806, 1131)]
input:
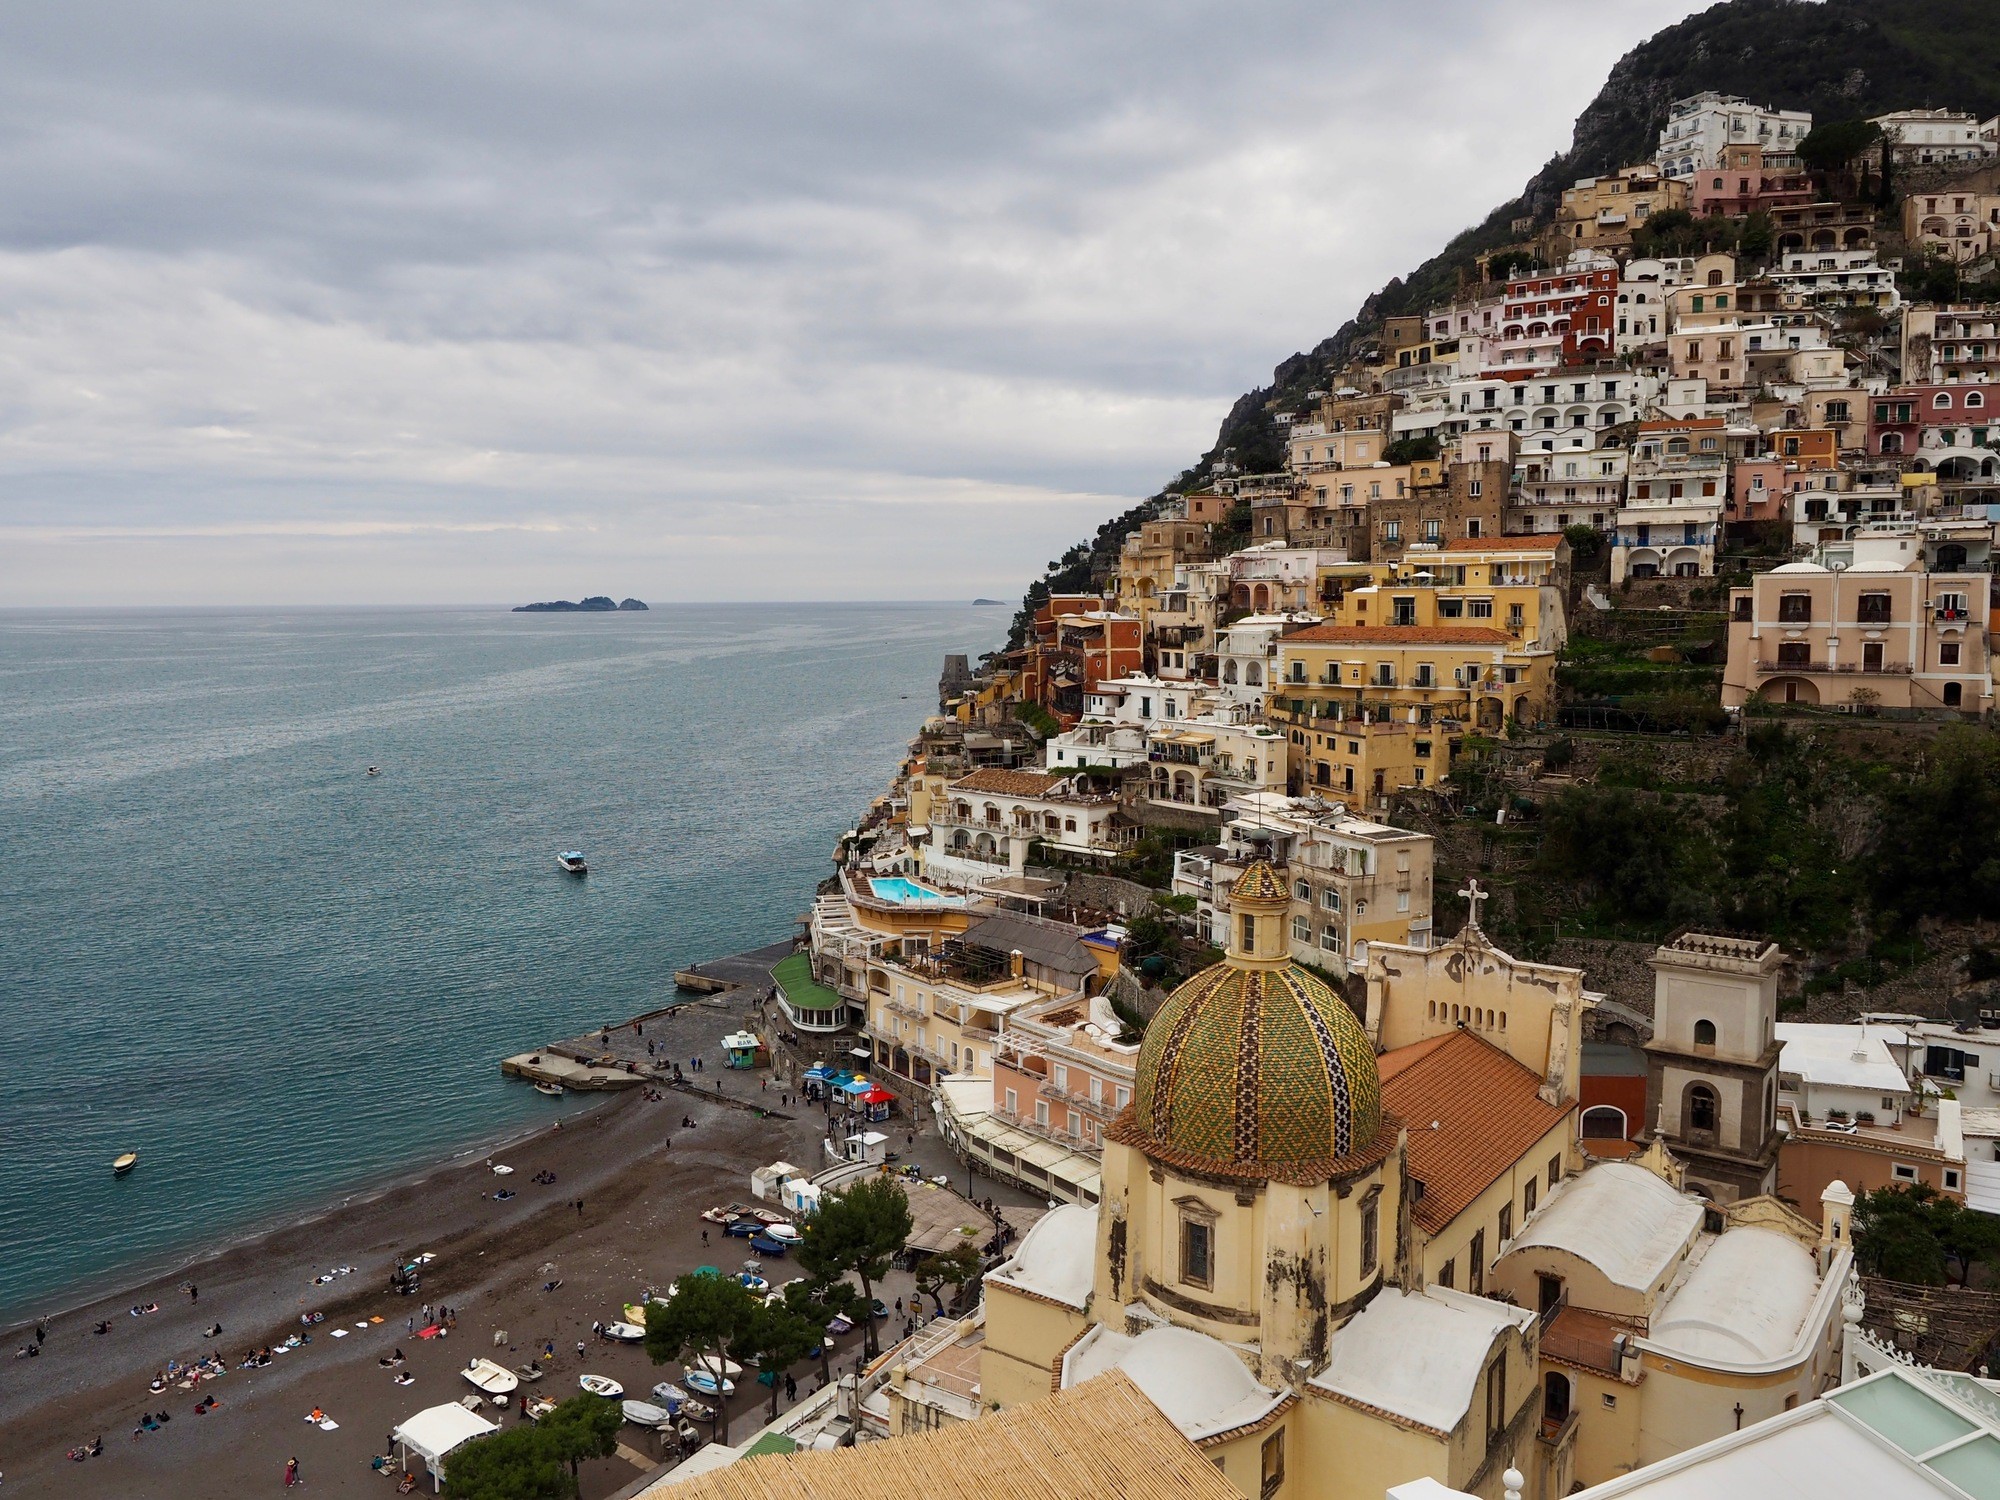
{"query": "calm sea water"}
[(225, 946)]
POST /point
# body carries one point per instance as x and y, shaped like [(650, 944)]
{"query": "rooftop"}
[(1417, 1355), (1103, 1437), (1009, 783), (1196, 1381), (1472, 1112), (1854, 1057), (1057, 1259), (1619, 1217), (1744, 1300)]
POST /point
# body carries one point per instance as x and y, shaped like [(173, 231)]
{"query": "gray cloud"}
[(453, 301)]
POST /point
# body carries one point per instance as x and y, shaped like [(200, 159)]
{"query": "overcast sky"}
[(409, 302)]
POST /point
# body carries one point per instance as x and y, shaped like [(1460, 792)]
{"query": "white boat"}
[(123, 1164), (572, 862), (601, 1385), (708, 1385), (708, 1364), (548, 1086), (625, 1333), (645, 1414), (784, 1234), (495, 1380)]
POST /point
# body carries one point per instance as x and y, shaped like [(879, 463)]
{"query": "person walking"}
[(291, 1472)]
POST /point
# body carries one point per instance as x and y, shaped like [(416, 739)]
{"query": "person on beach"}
[(291, 1472)]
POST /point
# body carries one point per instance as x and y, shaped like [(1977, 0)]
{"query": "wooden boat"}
[(547, 1086), (540, 1408), (601, 1385), (701, 1411), (123, 1164), (718, 1215), (645, 1414), (495, 1380)]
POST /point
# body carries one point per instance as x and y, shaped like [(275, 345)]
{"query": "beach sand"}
[(643, 1181)]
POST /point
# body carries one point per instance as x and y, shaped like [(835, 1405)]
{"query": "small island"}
[(979, 602), (595, 604)]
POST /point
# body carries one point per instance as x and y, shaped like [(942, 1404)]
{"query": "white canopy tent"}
[(436, 1431)]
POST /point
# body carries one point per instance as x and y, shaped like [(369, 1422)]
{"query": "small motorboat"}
[(572, 862), (495, 1380), (539, 1409), (755, 1285), (547, 1086), (601, 1385), (712, 1365), (374, 770), (786, 1233), (701, 1411), (123, 1164), (645, 1414), (530, 1372), (669, 1395), (708, 1385), (764, 1244), (625, 1333)]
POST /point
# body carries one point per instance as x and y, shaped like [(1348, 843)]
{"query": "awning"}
[(437, 1430), (878, 1096)]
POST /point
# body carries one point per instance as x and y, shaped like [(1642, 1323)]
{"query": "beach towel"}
[(432, 1332), (338, 1333), (327, 1424)]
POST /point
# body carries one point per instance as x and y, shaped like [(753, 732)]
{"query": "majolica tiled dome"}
[(1257, 1067)]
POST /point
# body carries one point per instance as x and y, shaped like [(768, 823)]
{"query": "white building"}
[(1923, 136), (993, 817), (1700, 128), (1836, 278), (1247, 654), (1572, 488), (1844, 1072), (1206, 761)]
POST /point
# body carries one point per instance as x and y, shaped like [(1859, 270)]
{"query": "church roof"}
[(1745, 1301), (1621, 1218), (1417, 1355), (1057, 1259), (1472, 1112), (1197, 1381), (1259, 883), (1256, 1072)]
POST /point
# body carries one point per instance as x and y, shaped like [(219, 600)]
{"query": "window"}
[(1903, 1172), (1013, 1102), (1948, 653), (1951, 1179), (1794, 654), (1330, 899), (1249, 931), (1271, 1464), (1701, 1107), (1302, 929), (1447, 1273), (1496, 1400), (1528, 1198), (1506, 1223), (1197, 1251), (1555, 1170), (1371, 1226), (1704, 1033), (1475, 1269)]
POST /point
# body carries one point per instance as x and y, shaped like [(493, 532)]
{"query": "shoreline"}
[(133, 1275), (311, 1208)]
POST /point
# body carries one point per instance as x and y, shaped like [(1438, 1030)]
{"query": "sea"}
[(227, 947)]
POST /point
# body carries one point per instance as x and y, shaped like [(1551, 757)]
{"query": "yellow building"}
[(1250, 1265), (1515, 584), (1340, 688), (1602, 212)]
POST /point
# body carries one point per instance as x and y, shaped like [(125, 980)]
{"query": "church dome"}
[(1254, 1067)]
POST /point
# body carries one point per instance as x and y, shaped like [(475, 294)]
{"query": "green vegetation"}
[(857, 1232), (775, 1337), (706, 1314), (537, 1462), (1827, 848), (1916, 1234), (956, 1268), (1038, 719), (1411, 450)]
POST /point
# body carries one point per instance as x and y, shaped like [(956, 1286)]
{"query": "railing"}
[(1808, 665)]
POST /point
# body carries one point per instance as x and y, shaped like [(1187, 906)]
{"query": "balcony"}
[(1578, 1336)]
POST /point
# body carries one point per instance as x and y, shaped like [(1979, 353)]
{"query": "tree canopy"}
[(698, 1323), (858, 1231), (1914, 1233), (776, 1336)]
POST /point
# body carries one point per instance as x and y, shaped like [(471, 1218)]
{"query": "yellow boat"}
[(124, 1164)]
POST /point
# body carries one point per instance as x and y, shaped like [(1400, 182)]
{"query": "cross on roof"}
[(1473, 896)]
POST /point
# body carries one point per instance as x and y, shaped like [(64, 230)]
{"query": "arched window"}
[(1701, 1107), (1229, 671), (1715, 278), (1892, 442), (1253, 675), (1704, 1033), (1974, 398), (1604, 1122), (1942, 398)]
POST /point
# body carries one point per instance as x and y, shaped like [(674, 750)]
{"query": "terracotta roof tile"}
[(1487, 1115), (1008, 783), (1400, 635), (1541, 541)]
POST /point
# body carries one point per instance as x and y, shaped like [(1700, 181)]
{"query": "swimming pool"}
[(905, 892)]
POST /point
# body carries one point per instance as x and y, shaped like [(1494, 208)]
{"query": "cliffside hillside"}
[(1839, 58)]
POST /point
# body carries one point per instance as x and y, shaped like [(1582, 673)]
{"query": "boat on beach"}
[(601, 1385), (494, 1379), (625, 1333), (645, 1414), (572, 862), (123, 1164)]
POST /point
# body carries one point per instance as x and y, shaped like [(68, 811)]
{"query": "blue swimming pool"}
[(905, 892)]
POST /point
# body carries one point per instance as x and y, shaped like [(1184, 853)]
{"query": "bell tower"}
[(1712, 1065)]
